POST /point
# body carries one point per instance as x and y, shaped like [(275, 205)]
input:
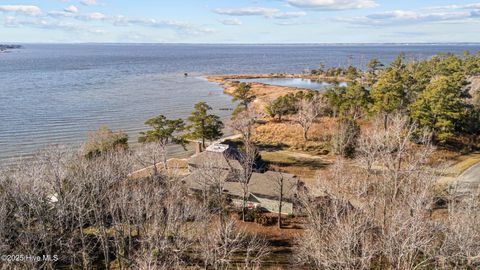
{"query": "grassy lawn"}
[(303, 165), (287, 135), (461, 164), (464, 162)]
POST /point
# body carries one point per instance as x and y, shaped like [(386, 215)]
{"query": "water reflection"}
[(295, 82)]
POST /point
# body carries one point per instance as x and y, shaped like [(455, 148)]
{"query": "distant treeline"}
[(4, 47)]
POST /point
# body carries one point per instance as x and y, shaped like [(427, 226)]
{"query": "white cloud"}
[(450, 7), (95, 16), (397, 17), (20, 9), (259, 11), (97, 31), (182, 27), (472, 6), (431, 14), (289, 23), (418, 16), (233, 21), (9, 21), (289, 15), (57, 20), (247, 11), (43, 23), (89, 2), (333, 4), (120, 20), (71, 9)]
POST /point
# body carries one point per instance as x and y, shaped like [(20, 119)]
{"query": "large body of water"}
[(295, 82), (56, 94)]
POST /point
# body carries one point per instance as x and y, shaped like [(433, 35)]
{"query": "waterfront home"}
[(220, 156), (219, 165)]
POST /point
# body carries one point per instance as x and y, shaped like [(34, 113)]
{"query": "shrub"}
[(250, 215), (266, 220), (104, 140), (344, 140)]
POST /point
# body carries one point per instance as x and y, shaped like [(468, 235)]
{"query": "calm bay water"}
[(294, 82), (56, 94)]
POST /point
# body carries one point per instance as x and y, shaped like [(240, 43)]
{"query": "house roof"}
[(217, 156), (266, 184), (218, 148), (261, 184)]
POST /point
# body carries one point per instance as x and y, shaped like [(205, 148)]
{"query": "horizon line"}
[(226, 43)]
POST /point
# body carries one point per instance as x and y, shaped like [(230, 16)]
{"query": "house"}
[(219, 164), (264, 191), (220, 156)]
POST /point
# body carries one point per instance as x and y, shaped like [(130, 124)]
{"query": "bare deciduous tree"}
[(224, 242), (244, 123), (461, 245), (247, 160), (380, 209), (282, 187), (211, 180), (344, 139), (150, 154), (92, 215), (337, 237), (307, 111)]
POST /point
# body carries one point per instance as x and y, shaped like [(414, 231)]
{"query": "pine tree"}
[(389, 93), (204, 126), (163, 130), (374, 66), (440, 106), (282, 106), (243, 95), (353, 99)]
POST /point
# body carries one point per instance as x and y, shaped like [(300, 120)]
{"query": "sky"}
[(239, 21)]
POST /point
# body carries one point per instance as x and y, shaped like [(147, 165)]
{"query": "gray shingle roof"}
[(207, 159), (261, 184)]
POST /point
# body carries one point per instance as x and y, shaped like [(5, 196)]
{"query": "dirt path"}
[(469, 181), (462, 177)]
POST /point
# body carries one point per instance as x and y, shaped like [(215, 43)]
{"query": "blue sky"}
[(239, 21)]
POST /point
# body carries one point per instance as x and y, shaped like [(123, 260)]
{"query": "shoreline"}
[(266, 93)]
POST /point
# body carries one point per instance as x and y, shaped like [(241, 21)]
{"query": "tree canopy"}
[(433, 92), (440, 107), (163, 130), (204, 126), (282, 106), (243, 95), (353, 99), (287, 104), (389, 92), (373, 68)]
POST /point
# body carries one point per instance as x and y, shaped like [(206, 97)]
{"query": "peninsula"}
[(4, 47)]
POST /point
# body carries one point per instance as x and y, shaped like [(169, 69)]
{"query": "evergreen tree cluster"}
[(287, 105), (434, 93)]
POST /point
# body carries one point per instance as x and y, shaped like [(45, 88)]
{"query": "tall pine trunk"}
[(305, 134), (280, 204), (385, 121)]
